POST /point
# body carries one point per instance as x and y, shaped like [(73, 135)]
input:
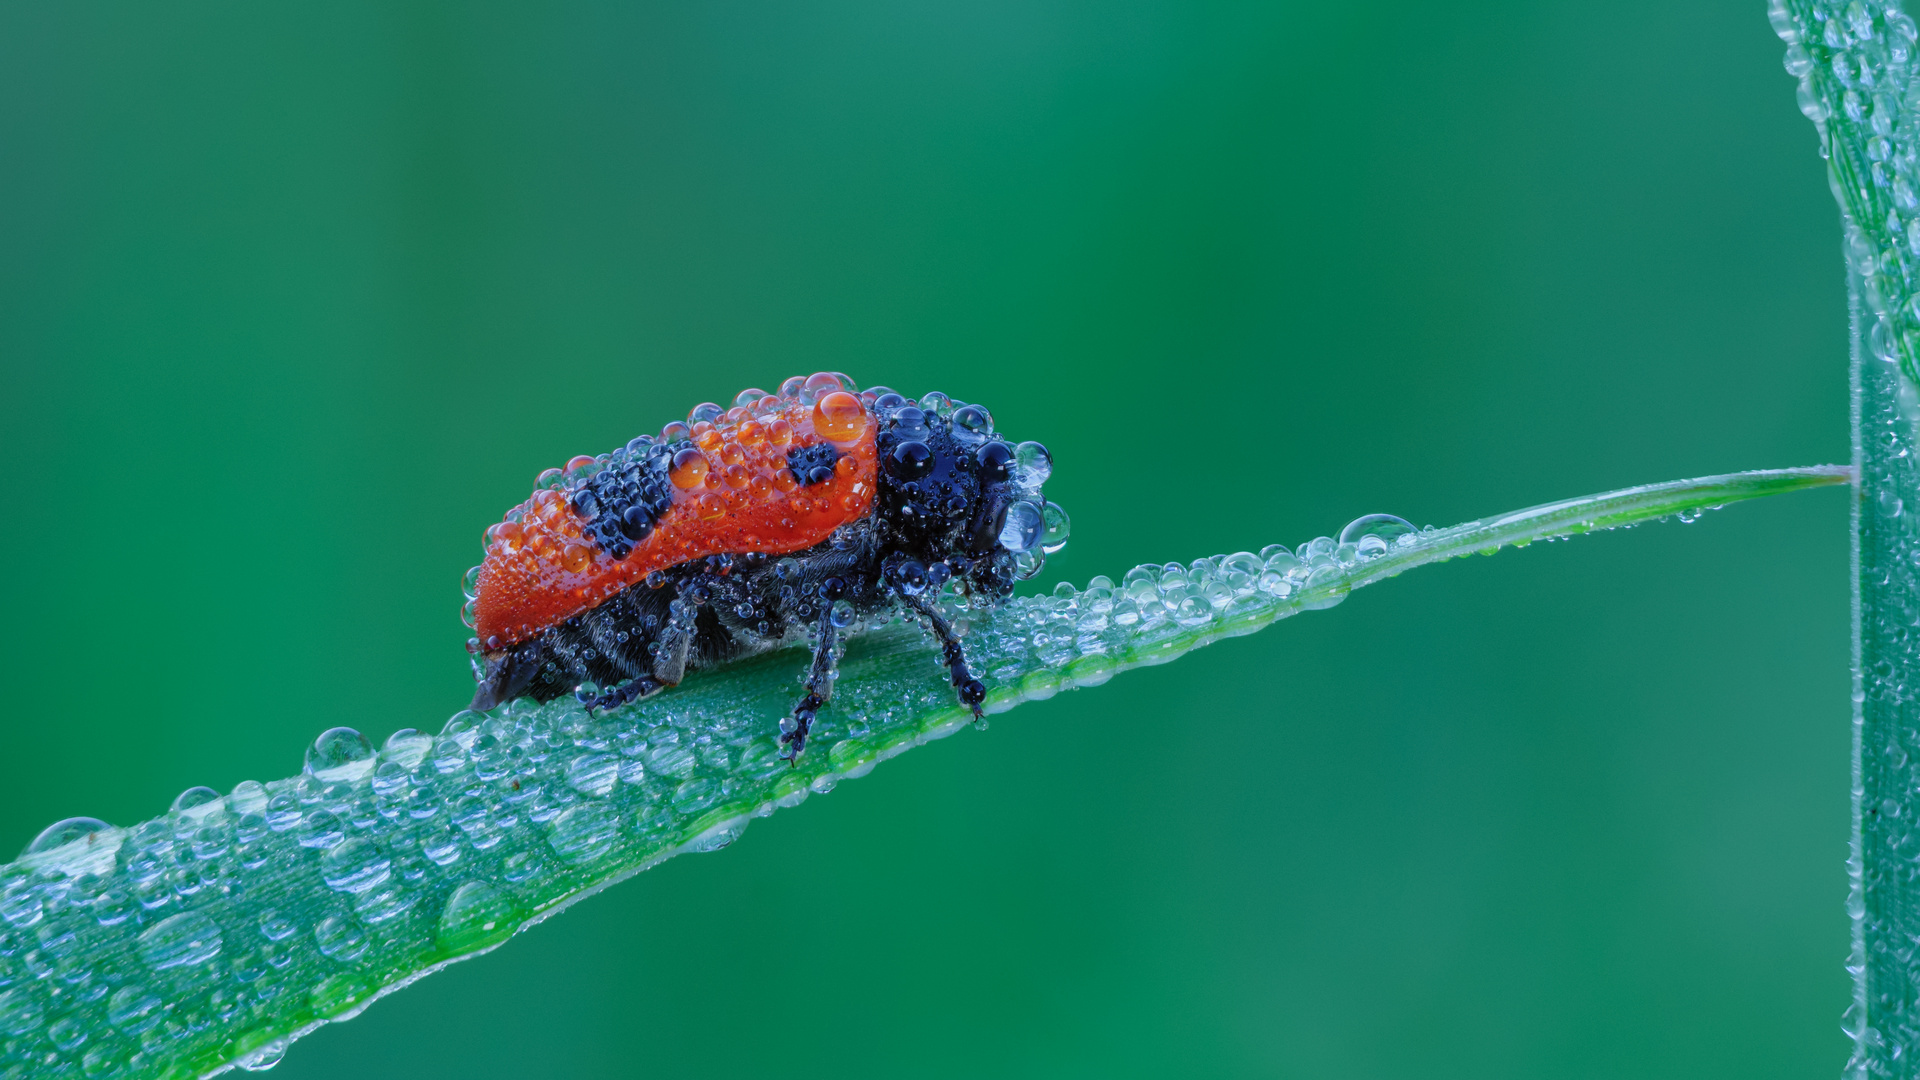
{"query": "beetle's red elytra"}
[(788, 517)]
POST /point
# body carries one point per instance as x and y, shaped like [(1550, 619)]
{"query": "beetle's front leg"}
[(971, 690)]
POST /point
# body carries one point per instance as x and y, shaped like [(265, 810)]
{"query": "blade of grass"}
[(217, 933), (1856, 63)]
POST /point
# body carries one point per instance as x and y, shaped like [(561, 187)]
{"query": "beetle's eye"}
[(993, 460), (910, 461)]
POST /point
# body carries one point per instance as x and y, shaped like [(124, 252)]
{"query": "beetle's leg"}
[(675, 643), (794, 728), (971, 690), (631, 690)]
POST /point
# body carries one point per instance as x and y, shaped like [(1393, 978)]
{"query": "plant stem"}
[(1856, 63), (217, 933)]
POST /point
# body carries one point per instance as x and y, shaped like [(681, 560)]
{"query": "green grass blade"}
[(1856, 62), (219, 932)]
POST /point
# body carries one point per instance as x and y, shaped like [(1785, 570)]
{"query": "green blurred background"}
[(295, 299)]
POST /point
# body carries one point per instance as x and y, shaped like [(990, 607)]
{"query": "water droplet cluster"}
[(1856, 62), (224, 929), (729, 486)]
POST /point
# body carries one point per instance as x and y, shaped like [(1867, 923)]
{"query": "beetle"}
[(790, 517)]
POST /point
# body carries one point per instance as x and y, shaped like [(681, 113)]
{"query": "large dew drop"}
[(476, 915), (339, 755), (181, 940), (196, 802), (61, 833), (77, 847), (1375, 534)]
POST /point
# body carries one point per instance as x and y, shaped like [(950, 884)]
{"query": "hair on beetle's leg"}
[(820, 674), (971, 690)]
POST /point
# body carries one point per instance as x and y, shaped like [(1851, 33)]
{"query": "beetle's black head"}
[(956, 495)]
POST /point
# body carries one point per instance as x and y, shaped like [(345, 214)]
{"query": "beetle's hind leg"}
[(820, 675), (649, 667), (971, 690)]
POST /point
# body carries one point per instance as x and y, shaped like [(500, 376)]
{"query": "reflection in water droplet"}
[(134, 1009), (585, 833), (248, 797), (1386, 527), (321, 829), (476, 914), (355, 866), (62, 833), (196, 801), (265, 1057), (338, 937), (181, 940), (20, 1014), (339, 754), (594, 774)]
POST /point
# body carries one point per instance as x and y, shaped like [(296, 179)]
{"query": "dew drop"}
[(340, 939), (67, 1034), (275, 926), (476, 915), (182, 940), (196, 802), (1022, 530), (20, 1014), (61, 833), (1384, 526), (1034, 465), (355, 866), (339, 755), (839, 417), (134, 1009), (248, 797), (266, 1057), (407, 747), (1055, 527), (321, 829), (594, 774), (585, 833)]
